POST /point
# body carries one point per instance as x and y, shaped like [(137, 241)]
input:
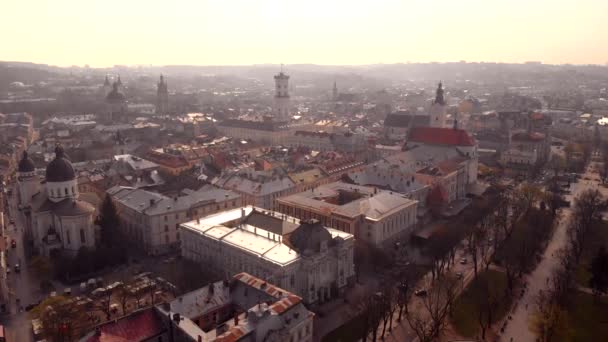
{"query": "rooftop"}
[(349, 200)]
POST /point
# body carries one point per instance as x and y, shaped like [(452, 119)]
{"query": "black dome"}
[(60, 169), (309, 236), (26, 164), (115, 95)]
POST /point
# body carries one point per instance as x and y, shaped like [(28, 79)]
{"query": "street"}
[(518, 328), (23, 286)]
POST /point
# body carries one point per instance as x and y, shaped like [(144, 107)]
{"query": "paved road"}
[(518, 327), (23, 285)]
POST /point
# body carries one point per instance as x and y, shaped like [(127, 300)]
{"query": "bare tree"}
[(429, 318), (487, 305)]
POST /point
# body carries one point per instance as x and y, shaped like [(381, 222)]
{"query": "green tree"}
[(109, 222), (599, 273)]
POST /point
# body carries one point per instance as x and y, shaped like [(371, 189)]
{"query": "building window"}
[(82, 237), (67, 236), (176, 225), (165, 218), (66, 191), (166, 228), (167, 239), (176, 216), (73, 192)]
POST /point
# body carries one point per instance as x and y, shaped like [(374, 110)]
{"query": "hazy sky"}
[(108, 32)]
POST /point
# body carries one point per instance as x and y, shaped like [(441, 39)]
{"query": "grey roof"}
[(136, 163), (257, 125), (404, 119), (371, 203), (66, 207), (256, 187), (309, 236), (140, 200)]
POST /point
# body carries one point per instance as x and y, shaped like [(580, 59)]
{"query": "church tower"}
[(27, 180), (438, 109), (334, 93), (281, 97), (116, 105), (162, 96), (106, 88)]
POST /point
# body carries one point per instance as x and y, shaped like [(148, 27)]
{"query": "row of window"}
[(68, 236), (58, 192)]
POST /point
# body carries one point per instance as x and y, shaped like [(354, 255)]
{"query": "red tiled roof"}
[(441, 136), (137, 327)]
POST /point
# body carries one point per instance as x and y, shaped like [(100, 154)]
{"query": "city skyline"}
[(337, 33)]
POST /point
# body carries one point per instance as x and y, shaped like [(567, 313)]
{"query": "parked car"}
[(463, 261), (83, 286), (13, 243), (459, 275), (420, 293), (17, 268), (67, 291)]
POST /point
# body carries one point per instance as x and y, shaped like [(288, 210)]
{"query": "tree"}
[(557, 164), (528, 194), (109, 222), (62, 319), (486, 306), (43, 267), (123, 295), (429, 321), (599, 273), (548, 319)]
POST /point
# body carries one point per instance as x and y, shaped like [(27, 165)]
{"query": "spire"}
[(439, 95), (162, 79), (119, 82), (106, 82)]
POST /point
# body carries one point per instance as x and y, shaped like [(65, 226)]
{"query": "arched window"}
[(73, 192), (82, 236), (52, 192), (66, 191)]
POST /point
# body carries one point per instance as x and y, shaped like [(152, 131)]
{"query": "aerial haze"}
[(239, 32)]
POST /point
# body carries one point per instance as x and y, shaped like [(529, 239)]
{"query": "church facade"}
[(59, 220)]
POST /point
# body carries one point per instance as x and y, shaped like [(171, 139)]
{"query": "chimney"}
[(199, 338), (236, 319), (151, 202)]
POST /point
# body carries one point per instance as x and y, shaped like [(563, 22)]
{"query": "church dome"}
[(26, 164), (60, 169)]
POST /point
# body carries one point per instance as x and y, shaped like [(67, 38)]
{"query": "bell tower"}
[(281, 97), (438, 110)]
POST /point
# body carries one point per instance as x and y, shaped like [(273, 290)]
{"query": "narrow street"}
[(23, 286), (518, 329)]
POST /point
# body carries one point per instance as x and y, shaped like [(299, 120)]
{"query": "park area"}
[(466, 309), (598, 237), (587, 319)]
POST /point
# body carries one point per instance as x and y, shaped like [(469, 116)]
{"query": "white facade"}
[(58, 191), (238, 240)]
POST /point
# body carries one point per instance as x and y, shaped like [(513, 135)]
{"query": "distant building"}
[(151, 220), (258, 188), (397, 125), (302, 256), (162, 97), (267, 131), (371, 215), (116, 104), (527, 149), (281, 97)]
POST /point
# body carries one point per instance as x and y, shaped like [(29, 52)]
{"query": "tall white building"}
[(438, 110), (303, 257), (281, 97)]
